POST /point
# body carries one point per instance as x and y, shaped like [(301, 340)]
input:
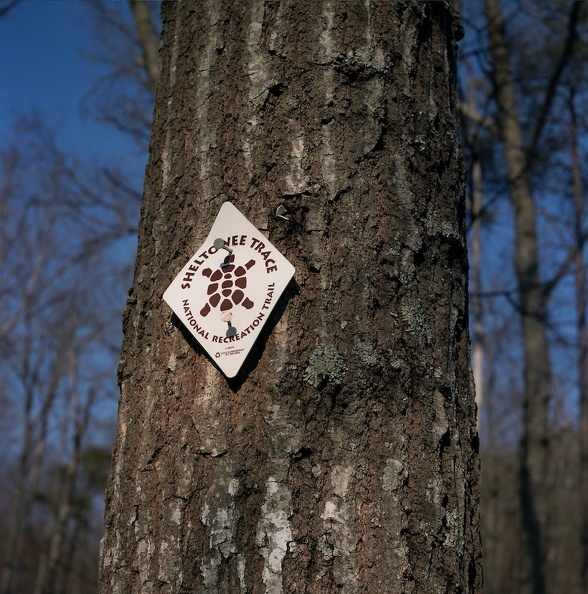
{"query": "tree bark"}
[(343, 457)]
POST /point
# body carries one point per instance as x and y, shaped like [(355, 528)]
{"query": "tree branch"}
[(556, 76), (549, 285), (468, 112), (148, 39), (4, 10)]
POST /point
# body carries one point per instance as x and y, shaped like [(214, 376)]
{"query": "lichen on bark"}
[(325, 365), (343, 457)]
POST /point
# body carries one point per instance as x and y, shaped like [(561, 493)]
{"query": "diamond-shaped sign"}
[(226, 292)]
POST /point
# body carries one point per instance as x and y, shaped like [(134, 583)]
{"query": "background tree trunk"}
[(344, 456), (148, 39), (582, 329), (533, 310)]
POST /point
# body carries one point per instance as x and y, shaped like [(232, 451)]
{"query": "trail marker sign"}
[(226, 292)]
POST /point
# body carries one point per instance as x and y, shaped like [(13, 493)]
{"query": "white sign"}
[(226, 292)]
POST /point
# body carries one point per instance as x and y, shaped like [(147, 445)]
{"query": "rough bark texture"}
[(343, 458)]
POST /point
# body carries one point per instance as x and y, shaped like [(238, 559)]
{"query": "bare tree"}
[(67, 233), (582, 328), (532, 302), (148, 38), (531, 51), (129, 36), (56, 230), (343, 456)]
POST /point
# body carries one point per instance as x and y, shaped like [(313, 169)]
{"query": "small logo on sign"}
[(231, 276)]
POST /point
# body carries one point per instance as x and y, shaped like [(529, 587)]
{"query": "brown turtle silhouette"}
[(227, 283)]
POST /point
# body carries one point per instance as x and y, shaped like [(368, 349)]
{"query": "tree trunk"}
[(582, 329), (537, 374), (148, 40), (53, 571), (343, 457), (479, 333)]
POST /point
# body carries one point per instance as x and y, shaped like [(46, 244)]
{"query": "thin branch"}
[(469, 113), (148, 39), (549, 285), (4, 10), (556, 76), (119, 184)]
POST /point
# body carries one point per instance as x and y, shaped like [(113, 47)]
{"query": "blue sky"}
[(44, 69)]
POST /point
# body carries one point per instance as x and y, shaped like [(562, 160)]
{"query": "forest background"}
[(76, 94)]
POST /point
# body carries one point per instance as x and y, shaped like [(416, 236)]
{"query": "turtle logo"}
[(227, 284)]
